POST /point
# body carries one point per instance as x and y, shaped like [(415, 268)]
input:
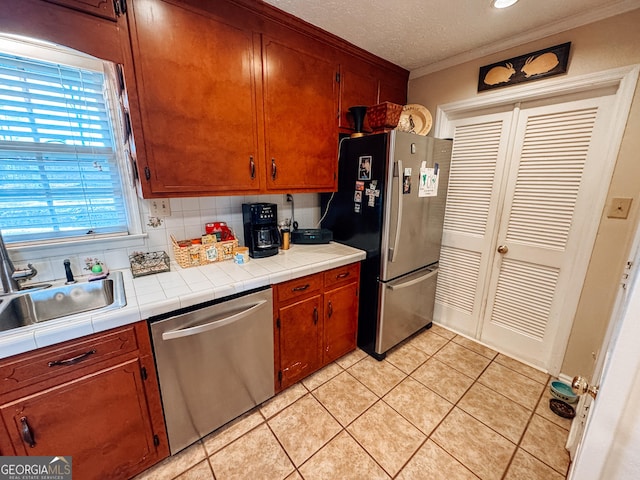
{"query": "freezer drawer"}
[(406, 305)]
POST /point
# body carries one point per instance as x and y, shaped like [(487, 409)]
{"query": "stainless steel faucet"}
[(9, 276)]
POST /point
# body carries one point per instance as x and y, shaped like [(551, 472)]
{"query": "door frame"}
[(625, 80), (607, 436)]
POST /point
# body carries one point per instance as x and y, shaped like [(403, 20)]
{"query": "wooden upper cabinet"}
[(364, 84), (356, 88), (237, 97), (109, 9), (197, 87), (301, 108), (393, 89)]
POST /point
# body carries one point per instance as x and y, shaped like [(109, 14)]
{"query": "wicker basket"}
[(384, 116), (208, 251), (148, 263)]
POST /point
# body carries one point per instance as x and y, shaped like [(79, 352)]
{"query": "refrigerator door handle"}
[(396, 239), (422, 278)]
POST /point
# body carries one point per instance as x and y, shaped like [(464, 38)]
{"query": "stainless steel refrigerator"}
[(390, 202)]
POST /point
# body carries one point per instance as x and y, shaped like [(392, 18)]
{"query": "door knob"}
[(503, 249), (580, 385)]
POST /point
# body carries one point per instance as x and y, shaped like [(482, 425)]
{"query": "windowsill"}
[(68, 247)]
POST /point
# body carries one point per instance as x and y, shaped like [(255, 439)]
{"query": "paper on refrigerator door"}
[(428, 186)]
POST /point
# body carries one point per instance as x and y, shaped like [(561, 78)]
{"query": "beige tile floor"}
[(438, 407)]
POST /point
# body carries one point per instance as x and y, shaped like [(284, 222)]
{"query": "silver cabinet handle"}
[(205, 327)]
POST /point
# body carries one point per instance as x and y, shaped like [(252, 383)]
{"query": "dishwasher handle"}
[(205, 327)]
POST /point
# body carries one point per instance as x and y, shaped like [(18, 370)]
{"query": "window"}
[(60, 174)]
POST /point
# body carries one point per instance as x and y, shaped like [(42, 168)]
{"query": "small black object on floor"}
[(561, 408)]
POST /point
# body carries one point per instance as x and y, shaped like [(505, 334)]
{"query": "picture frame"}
[(525, 68), (364, 167)]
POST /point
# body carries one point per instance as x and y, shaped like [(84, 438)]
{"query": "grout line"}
[(380, 398)]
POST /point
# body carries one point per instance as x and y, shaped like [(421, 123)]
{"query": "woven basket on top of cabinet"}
[(384, 116), (188, 254)]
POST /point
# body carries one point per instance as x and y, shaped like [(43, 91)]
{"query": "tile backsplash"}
[(189, 215), (187, 219)]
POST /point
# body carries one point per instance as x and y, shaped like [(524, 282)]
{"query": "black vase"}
[(358, 114)]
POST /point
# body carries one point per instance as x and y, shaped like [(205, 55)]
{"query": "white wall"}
[(603, 45)]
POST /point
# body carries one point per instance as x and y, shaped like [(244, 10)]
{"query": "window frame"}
[(135, 235)]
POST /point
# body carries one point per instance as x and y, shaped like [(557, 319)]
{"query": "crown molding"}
[(575, 21)]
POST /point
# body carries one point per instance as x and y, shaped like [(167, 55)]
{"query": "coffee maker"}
[(261, 233)]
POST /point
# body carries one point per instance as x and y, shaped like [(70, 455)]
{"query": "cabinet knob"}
[(503, 249), (274, 169)]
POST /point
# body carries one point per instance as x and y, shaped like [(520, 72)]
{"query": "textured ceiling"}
[(428, 35)]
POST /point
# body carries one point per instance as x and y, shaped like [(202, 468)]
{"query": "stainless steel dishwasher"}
[(214, 362)]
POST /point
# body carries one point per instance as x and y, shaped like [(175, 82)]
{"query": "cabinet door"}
[(356, 88), (301, 108), (300, 339), (340, 322), (102, 420), (197, 85), (100, 8), (393, 89)]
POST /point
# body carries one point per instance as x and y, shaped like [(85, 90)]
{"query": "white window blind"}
[(59, 173)]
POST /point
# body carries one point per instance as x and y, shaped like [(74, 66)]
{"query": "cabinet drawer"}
[(345, 274), (66, 358), (299, 288)]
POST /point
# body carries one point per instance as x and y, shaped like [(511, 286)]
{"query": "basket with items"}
[(217, 244)]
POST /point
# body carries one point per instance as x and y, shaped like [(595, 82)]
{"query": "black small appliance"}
[(261, 233), (311, 235)]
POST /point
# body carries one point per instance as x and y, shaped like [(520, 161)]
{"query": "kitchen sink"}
[(29, 307)]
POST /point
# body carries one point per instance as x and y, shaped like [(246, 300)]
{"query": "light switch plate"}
[(619, 207), (159, 207)]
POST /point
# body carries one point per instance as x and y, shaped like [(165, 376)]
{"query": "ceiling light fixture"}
[(502, 3)]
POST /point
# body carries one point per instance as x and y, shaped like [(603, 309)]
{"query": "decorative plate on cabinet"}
[(415, 119)]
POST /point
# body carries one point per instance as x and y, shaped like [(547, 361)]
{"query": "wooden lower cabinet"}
[(316, 319), (300, 339), (340, 321), (105, 414)]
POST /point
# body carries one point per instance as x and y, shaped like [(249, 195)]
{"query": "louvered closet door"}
[(477, 167), (557, 159)]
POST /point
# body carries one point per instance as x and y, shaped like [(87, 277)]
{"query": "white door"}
[(606, 438), (558, 158), (478, 161), (537, 188)]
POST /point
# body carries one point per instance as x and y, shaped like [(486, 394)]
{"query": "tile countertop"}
[(182, 287)]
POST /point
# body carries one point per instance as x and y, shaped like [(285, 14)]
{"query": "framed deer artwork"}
[(532, 66)]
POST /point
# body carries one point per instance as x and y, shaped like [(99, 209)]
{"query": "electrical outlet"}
[(159, 207)]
